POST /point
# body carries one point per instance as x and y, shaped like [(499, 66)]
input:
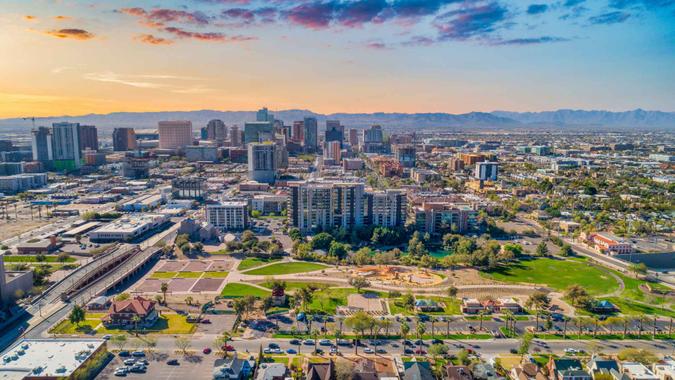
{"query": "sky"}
[(74, 57)]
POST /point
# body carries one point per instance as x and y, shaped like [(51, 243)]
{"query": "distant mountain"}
[(437, 121), (636, 118)]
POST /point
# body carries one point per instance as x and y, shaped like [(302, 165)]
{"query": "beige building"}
[(175, 134)]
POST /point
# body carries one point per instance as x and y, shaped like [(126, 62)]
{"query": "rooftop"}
[(47, 357)]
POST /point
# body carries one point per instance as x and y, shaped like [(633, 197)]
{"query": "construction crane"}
[(32, 119)]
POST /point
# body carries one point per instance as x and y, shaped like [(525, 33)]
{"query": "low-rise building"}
[(122, 314), (128, 228), (228, 215), (637, 371), (566, 369), (610, 244), (269, 203)]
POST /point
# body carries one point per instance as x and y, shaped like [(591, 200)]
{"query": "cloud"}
[(648, 4), (376, 45), (158, 17), (313, 15), (72, 33), (207, 36), (419, 41), (616, 17), (470, 20), (110, 77), (30, 18), (153, 40), (62, 18), (573, 3), (530, 40), (244, 16), (537, 9)]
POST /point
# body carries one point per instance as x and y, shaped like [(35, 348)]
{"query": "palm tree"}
[(386, 324), (433, 331), (405, 330), (188, 300), (447, 321), (420, 329), (596, 321), (481, 315), (566, 319), (136, 319), (164, 288), (508, 317)]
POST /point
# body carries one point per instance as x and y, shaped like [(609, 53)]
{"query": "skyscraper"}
[(66, 146), (405, 154), (123, 139), (88, 137), (333, 151), (326, 205), (386, 208), (216, 130), (262, 162), (335, 131), (373, 139), (258, 131), (310, 134), (42, 144), (175, 134), (263, 114), (235, 136), (353, 137), (487, 171), (298, 131)]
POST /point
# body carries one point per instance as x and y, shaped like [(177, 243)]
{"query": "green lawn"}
[(452, 306), (286, 268), (189, 274), (215, 274), (253, 262), (327, 300), (557, 274), (295, 285), (163, 275), (166, 324), (236, 290), (33, 259)]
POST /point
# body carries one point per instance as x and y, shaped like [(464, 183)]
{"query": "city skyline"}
[(80, 57)]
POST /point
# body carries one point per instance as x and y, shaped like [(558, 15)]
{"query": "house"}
[(320, 371), (527, 371), (458, 372), (610, 244), (417, 371), (233, 368), (485, 371), (664, 369), (637, 371), (566, 369), (272, 371), (471, 306), (99, 303), (427, 305), (122, 313), (601, 365)]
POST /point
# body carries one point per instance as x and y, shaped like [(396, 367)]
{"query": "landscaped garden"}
[(286, 268), (237, 290), (166, 324), (254, 262), (557, 274)]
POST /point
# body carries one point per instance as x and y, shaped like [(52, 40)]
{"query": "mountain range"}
[(564, 118)]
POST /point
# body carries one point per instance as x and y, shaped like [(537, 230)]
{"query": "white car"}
[(571, 351), (368, 350)]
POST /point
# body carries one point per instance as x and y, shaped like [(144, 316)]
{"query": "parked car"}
[(294, 341), (325, 342), (273, 345), (408, 351), (420, 351), (123, 354), (138, 354), (291, 351), (206, 350), (129, 362), (138, 368), (172, 362), (120, 373), (308, 342), (107, 336), (436, 341), (368, 350), (381, 351), (227, 348), (206, 321)]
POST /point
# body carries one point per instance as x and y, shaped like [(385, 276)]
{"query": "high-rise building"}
[(216, 130), (455, 164), (262, 162), (258, 131), (123, 139), (386, 208), (229, 215), (88, 137), (405, 154), (175, 134), (235, 136), (373, 139), (298, 131), (443, 217), (42, 144), (325, 205), (66, 146), (335, 131), (333, 151), (487, 171), (353, 137), (311, 137), (264, 114)]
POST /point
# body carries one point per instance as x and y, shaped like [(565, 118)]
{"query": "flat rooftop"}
[(46, 357)]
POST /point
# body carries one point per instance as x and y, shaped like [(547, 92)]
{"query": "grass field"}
[(286, 268), (295, 285), (557, 274), (163, 275), (33, 259), (215, 274), (327, 300), (236, 290), (166, 324), (253, 262), (189, 274)]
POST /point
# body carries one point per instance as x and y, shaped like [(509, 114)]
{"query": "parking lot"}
[(190, 367)]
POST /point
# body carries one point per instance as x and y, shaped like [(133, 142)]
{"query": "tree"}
[(539, 301), (542, 249), (164, 288), (182, 344), (119, 341), (294, 234), (77, 315), (452, 291), (322, 240), (405, 330), (408, 301), (524, 346), (437, 350), (188, 300), (362, 257), (463, 357), (420, 329), (338, 249), (359, 283), (359, 322), (136, 319), (638, 269), (566, 250), (221, 342), (578, 297)]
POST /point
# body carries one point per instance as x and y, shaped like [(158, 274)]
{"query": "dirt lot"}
[(15, 227)]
